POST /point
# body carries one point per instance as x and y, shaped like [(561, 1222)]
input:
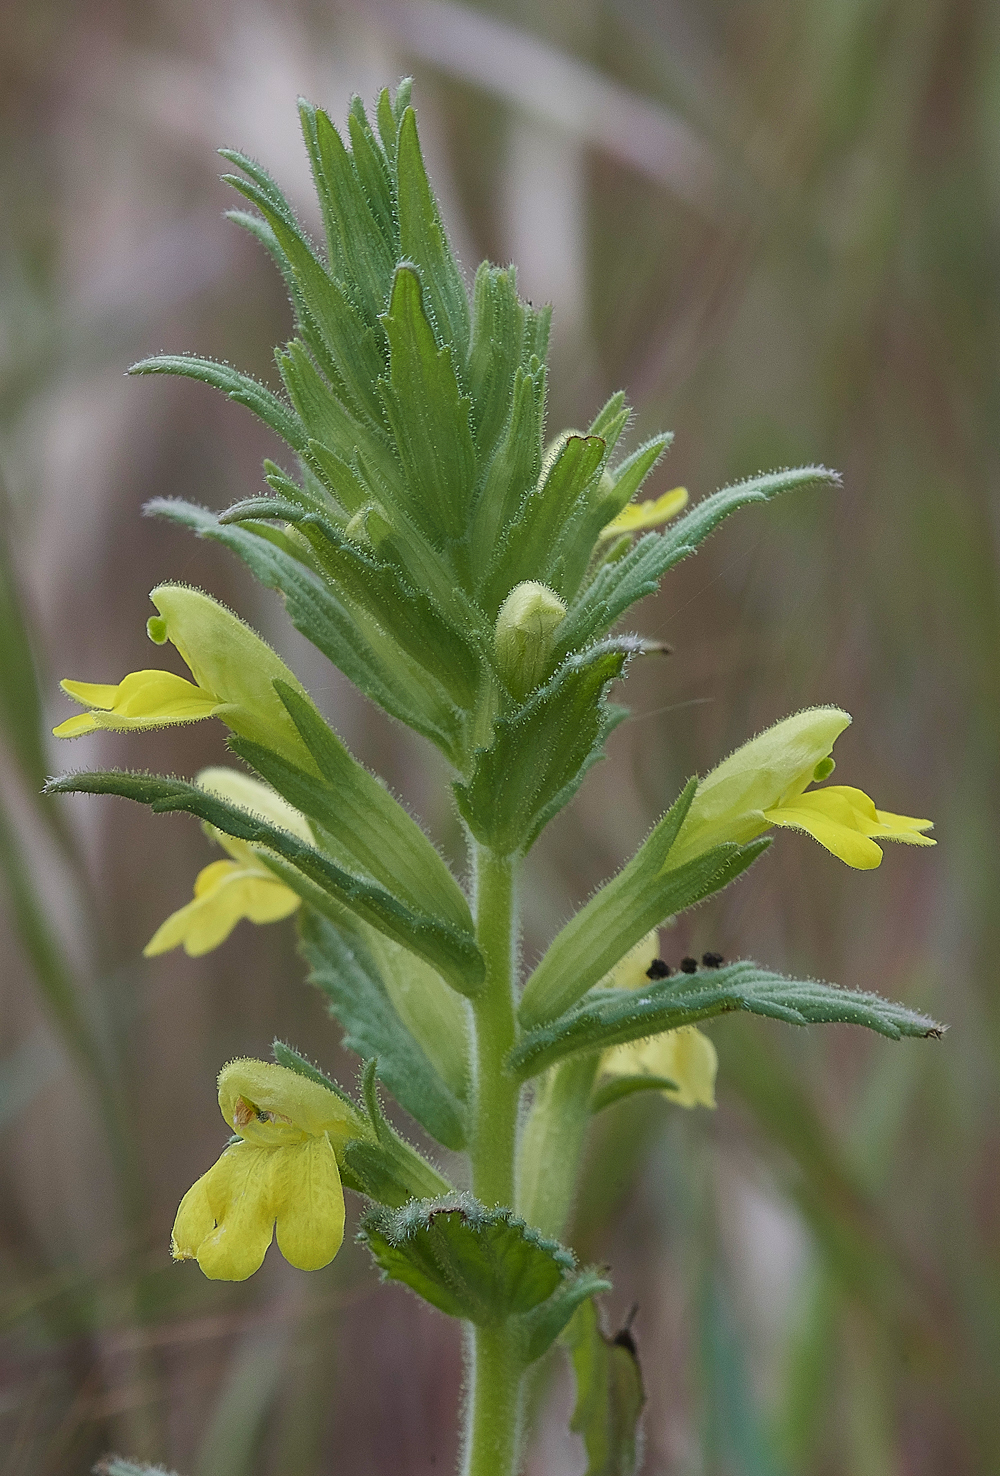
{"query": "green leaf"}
[(545, 1322), (609, 1394), (340, 477), (609, 1017), (347, 346), (388, 1169), (609, 418), (412, 616), (350, 639), (430, 1009), (504, 340), (617, 1088), (236, 386), (350, 347), (624, 910), (600, 501), (451, 951), (417, 564), (370, 165), (428, 415), (515, 466), (326, 418), (363, 245), (343, 970), (358, 810), (526, 548), (621, 584), (422, 240), (387, 128), (485, 1265), (537, 758)]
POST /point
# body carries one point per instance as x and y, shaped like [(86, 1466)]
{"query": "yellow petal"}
[(309, 1203), (905, 828), (193, 1223), (75, 727), (144, 699), (224, 893), (684, 1056), (639, 515), (91, 694), (846, 822), (239, 1196)]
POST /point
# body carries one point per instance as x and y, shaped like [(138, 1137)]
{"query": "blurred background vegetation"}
[(777, 226)]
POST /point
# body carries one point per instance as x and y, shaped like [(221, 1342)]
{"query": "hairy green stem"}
[(493, 1416), (492, 1429), (494, 1129)]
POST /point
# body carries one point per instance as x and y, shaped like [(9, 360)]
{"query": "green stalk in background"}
[(469, 575)]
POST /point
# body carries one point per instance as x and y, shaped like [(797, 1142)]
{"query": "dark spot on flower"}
[(658, 969), (712, 960), (689, 965)]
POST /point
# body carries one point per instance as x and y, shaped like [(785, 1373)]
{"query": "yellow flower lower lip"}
[(225, 892), (227, 1219), (846, 822), (143, 699), (281, 1177), (685, 1056)]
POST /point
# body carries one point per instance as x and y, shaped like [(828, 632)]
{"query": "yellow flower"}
[(764, 783), (638, 516), (684, 1056), (233, 669), (282, 1173), (227, 891)]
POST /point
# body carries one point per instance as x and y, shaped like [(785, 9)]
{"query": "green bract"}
[(467, 575)]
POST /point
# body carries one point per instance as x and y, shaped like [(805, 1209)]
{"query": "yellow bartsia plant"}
[(472, 583)]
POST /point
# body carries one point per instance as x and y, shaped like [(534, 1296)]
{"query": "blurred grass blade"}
[(231, 1443), (735, 1437)]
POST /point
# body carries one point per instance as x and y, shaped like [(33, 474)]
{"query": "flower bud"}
[(525, 635)]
